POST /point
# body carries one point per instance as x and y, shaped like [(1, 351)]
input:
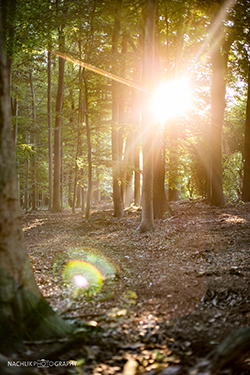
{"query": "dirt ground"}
[(173, 294)]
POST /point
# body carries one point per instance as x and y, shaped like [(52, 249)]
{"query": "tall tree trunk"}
[(89, 150), (121, 138), (98, 190), (137, 184), (135, 121), (246, 178), (50, 133), (147, 220), (217, 118), (33, 142), (24, 313), (79, 133), (117, 197), (27, 179), (57, 131)]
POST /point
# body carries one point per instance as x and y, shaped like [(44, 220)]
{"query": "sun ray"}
[(102, 72)]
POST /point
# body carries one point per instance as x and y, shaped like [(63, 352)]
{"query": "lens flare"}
[(80, 281), (82, 275), (87, 272)]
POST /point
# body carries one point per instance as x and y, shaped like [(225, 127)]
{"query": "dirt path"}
[(178, 291)]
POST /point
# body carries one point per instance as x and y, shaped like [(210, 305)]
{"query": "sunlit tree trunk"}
[(147, 220), (89, 150), (57, 131), (117, 197), (246, 178), (76, 190), (218, 88), (24, 314), (135, 120)]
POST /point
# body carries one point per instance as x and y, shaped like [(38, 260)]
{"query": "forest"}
[(125, 187)]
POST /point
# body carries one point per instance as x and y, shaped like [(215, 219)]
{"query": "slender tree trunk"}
[(24, 313), (98, 191), (117, 197), (137, 184), (122, 120), (27, 180), (89, 150), (33, 142), (147, 221), (246, 178), (135, 120), (61, 170), (57, 132), (218, 89), (50, 133), (76, 191)]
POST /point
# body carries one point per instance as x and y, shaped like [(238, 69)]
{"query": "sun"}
[(171, 99)]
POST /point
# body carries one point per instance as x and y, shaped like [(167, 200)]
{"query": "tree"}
[(24, 312), (218, 90), (57, 132), (117, 197), (246, 179), (147, 220)]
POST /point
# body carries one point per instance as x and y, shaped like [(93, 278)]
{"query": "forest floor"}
[(173, 294)]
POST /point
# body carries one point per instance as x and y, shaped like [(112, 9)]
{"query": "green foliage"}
[(233, 176), (181, 46)]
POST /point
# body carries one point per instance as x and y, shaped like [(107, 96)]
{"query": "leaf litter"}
[(176, 293)]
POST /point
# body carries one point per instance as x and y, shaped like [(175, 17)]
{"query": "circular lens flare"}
[(171, 99), (84, 276), (80, 281), (87, 272)]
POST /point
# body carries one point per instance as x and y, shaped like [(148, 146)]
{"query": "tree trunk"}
[(246, 178), (160, 200), (50, 133), (27, 179), (24, 313), (89, 151), (79, 133), (147, 221), (117, 197), (226, 355), (218, 88), (135, 120), (33, 142), (57, 131)]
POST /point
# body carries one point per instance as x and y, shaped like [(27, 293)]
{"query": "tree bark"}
[(50, 133), (218, 89), (24, 313), (147, 221), (33, 143), (89, 150), (246, 178), (57, 132), (160, 202), (117, 197)]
